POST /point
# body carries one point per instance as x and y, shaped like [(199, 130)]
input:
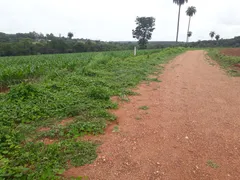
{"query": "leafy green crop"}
[(45, 89)]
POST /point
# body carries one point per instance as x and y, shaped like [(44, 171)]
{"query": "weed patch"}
[(212, 164), (144, 107), (116, 129)]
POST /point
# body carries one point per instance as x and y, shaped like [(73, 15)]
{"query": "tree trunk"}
[(178, 21), (188, 27)]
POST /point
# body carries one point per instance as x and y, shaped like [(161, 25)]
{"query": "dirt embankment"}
[(231, 51)]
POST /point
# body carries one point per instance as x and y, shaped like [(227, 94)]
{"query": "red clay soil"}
[(231, 51), (66, 121), (237, 65), (48, 141), (4, 89), (190, 131)]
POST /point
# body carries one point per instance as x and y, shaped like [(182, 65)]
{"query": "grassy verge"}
[(47, 89), (227, 62)]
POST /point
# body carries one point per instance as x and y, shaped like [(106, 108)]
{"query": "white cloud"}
[(114, 20)]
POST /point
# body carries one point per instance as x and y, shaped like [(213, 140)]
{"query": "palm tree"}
[(217, 37), (179, 3), (190, 12), (212, 34), (70, 35), (189, 34)]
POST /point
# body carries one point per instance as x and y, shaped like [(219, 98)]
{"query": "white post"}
[(135, 50)]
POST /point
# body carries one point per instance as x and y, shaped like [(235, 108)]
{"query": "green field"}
[(45, 89)]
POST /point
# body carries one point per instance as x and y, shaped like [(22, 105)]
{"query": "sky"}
[(113, 20)]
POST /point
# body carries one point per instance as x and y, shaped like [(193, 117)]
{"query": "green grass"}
[(227, 62), (45, 89)]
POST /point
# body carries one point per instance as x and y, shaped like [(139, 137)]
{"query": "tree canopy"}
[(217, 37), (33, 43), (143, 31), (70, 35), (212, 34), (191, 11), (189, 34), (180, 2)]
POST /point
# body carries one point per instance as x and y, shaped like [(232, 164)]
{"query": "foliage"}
[(191, 11), (189, 34), (48, 88), (143, 31), (212, 164), (33, 43), (180, 2), (38, 161), (234, 42), (217, 37), (36, 43), (212, 34), (70, 35)]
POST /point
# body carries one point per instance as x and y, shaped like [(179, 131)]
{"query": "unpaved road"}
[(190, 131)]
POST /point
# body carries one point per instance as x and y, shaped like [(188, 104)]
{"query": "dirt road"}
[(190, 131)]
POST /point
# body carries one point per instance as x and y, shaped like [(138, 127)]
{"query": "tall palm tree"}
[(179, 3), (212, 34), (217, 37), (190, 12)]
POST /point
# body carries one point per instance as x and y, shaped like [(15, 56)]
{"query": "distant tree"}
[(50, 36), (212, 34), (217, 37), (143, 31), (41, 36), (70, 35), (190, 12), (179, 3)]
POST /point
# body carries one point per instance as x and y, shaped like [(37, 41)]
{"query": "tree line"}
[(33, 43)]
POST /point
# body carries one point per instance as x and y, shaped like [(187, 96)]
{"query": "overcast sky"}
[(113, 20)]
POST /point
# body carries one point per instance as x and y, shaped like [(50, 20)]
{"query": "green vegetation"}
[(33, 43), (212, 164), (144, 107), (143, 31), (36, 43), (227, 62), (217, 37), (49, 88), (116, 129), (233, 42), (212, 34)]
